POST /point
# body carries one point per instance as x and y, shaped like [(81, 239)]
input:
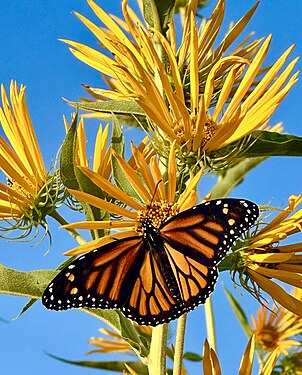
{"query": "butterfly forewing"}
[(207, 231), (102, 278)]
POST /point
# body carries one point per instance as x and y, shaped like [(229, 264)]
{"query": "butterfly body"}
[(159, 275)]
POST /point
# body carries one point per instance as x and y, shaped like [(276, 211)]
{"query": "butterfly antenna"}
[(155, 191)]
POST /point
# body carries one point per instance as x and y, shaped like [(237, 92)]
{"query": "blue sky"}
[(31, 53)]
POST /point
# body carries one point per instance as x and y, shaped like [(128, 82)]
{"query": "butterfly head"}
[(151, 218)]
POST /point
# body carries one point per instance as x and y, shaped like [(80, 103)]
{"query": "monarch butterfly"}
[(158, 276)]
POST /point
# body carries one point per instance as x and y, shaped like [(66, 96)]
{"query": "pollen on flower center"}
[(268, 337), (156, 212), (209, 129)]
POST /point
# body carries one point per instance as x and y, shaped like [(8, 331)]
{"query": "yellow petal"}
[(206, 361), (95, 244), (269, 258), (111, 189), (270, 363), (172, 174), (102, 204), (133, 178), (246, 364), (99, 225), (277, 293)]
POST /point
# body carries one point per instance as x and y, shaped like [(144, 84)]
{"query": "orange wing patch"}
[(191, 276), (151, 295)]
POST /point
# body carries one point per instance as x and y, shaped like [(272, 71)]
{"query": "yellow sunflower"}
[(30, 193), (266, 258), (201, 99), (116, 343), (153, 199), (277, 328)]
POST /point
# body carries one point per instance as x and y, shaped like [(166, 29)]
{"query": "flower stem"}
[(210, 323), (157, 355), (55, 215), (179, 344)]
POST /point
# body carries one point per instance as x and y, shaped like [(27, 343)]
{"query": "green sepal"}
[(261, 143), (29, 284), (193, 357), (117, 107), (239, 312), (161, 10), (117, 366), (233, 177), (118, 145), (73, 178)]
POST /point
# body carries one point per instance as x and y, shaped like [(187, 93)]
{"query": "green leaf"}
[(25, 284), (117, 107), (239, 312), (158, 11), (28, 305), (264, 144), (193, 357), (132, 336), (129, 112), (117, 366), (67, 157), (233, 177), (118, 145)]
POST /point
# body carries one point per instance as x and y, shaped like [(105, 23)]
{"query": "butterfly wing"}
[(156, 278), (102, 278), (194, 241), (124, 274), (206, 232)]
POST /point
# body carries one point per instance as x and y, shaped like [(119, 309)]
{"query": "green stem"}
[(55, 215), (210, 323), (157, 355), (179, 344)]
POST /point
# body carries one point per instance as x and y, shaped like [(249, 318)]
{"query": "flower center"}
[(209, 129), (268, 337), (156, 212)]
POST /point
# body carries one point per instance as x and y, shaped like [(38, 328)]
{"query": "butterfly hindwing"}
[(195, 281), (152, 300), (207, 231)]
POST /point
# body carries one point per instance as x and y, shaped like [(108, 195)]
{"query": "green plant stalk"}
[(179, 344), (210, 323), (157, 355), (80, 240), (156, 19)]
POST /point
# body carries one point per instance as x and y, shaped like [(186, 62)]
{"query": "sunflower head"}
[(156, 212), (30, 193)]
